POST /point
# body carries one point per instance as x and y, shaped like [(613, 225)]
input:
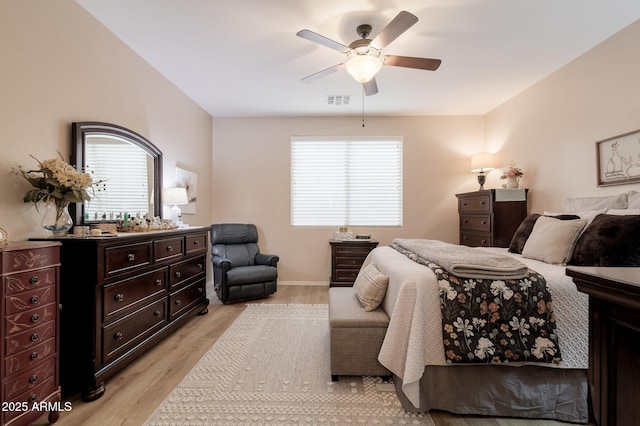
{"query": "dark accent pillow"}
[(609, 240), (526, 226)]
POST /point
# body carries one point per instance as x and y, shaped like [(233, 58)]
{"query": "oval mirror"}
[(128, 166)]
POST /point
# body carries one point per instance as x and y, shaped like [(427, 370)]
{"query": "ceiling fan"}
[(364, 55)]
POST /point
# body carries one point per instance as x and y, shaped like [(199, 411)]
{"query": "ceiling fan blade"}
[(320, 74), (411, 62), (370, 87), (320, 39), (401, 23)]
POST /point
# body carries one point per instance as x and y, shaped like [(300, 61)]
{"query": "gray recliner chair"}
[(240, 271)]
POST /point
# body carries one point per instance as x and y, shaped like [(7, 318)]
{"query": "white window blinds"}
[(346, 181), (128, 181)]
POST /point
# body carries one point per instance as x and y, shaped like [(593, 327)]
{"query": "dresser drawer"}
[(196, 243), (28, 320), (480, 223), (345, 275), (30, 258), (27, 359), (183, 271), (169, 248), (29, 300), (479, 203), (29, 339), (122, 334), (186, 298), (120, 259), (475, 240), (29, 380), (125, 296), (44, 391), (28, 281)]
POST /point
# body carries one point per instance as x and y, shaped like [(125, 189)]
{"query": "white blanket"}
[(466, 262), (414, 335)]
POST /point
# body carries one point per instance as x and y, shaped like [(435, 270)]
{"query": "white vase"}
[(56, 218), (513, 182)]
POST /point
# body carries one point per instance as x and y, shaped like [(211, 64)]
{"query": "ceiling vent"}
[(338, 100)]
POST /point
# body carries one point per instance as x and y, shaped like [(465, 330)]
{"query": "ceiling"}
[(243, 58)]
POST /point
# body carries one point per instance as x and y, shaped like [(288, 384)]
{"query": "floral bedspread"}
[(495, 321)]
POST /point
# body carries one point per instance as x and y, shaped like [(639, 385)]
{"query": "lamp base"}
[(481, 179), (175, 214)]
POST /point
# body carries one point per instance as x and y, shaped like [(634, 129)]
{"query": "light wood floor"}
[(133, 394)]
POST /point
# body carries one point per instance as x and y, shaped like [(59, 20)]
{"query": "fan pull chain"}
[(362, 105)]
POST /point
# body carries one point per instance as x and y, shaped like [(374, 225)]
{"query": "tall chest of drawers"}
[(30, 274), (121, 296), (486, 221)]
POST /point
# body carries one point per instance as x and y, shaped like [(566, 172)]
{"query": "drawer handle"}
[(465, 204), (33, 397), (465, 221), (484, 241), (157, 313), (158, 282), (169, 249), (465, 238), (118, 297), (131, 257), (33, 356), (34, 280), (199, 265), (33, 379), (482, 203), (35, 337), (35, 318), (118, 336), (35, 299), (178, 274), (484, 222), (200, 290), (196, 242), (178, 302)]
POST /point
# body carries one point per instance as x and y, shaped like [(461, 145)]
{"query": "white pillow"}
[(623, 212), (370, 287), (552, 241)]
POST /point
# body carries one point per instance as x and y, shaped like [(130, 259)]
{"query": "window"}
[(346, 181)]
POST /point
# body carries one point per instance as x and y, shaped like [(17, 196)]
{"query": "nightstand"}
[(489, 218), (346, 260), (614, 341)]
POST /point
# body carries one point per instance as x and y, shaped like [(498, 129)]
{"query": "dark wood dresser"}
[(121, 295), (614, 341), (30, 316), (346, 260), (486, 220)]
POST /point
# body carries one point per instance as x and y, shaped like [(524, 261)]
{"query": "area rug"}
[(271, 367)]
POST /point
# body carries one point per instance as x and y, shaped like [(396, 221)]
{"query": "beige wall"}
[(550, 130), (251, 175), (60, 65)]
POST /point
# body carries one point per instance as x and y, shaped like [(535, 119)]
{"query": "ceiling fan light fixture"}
[(363, 67)]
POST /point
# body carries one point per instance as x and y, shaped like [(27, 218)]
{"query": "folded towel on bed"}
[(463, 261)]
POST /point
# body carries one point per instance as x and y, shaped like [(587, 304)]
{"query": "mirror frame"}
[(79, 132)]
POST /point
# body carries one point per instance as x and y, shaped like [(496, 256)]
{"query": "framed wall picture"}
[(618, 159), (189, 181)]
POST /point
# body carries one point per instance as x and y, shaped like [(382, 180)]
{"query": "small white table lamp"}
[(175, 196), (481, 163)]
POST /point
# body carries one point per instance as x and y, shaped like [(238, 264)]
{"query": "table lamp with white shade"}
[(481, 163), (175, 196)]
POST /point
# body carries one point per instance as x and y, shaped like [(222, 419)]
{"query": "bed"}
[(413, 347)]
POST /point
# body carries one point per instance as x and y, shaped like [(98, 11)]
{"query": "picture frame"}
[(188, 180), (618, 159)]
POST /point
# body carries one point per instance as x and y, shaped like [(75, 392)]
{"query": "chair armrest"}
[(267, 259), (221, 262)]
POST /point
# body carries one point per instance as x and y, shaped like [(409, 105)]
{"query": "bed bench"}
[(356, 335)]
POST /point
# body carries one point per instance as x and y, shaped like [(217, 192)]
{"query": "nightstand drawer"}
[(480, 223), (480, 203), (475, 240)]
